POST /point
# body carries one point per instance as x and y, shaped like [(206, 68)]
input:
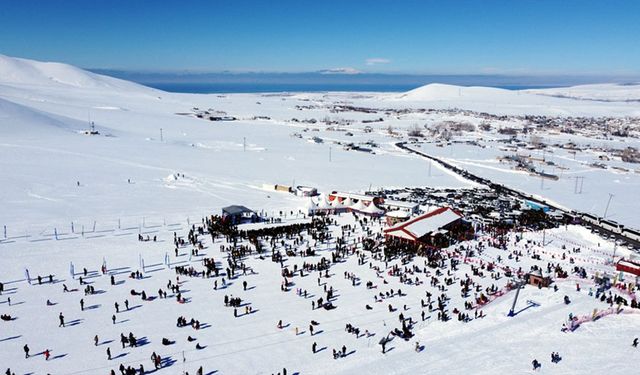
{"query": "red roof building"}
[(424, 226), (628, 266)]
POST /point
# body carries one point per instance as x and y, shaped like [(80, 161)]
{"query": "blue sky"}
[(415, 37)]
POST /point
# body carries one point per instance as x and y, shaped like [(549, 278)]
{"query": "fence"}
[(97, 228)]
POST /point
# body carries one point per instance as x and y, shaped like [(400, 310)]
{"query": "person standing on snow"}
[(536, 364)]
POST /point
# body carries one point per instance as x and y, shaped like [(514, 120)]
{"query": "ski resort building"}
[(536, 278), (425, 228), (238, 214), (306, 191)]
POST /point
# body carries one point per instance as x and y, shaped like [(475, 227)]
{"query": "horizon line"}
[(332, 72)]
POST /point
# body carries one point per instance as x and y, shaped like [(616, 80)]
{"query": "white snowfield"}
[(252, 343), (156, 168)]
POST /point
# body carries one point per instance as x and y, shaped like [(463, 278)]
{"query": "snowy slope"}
[(43, 155), (537, 102), (600, 92), (19, 120), (98, 192), (45, 106), (17, 71), (252, 344), (438, 91)]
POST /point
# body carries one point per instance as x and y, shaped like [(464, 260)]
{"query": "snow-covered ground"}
[(98, 191), (45, 107), (600, 92), (253, 344), (590, 193)]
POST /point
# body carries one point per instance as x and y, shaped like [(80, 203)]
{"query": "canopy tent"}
[(372, 210), (337, 204), (358, 206)]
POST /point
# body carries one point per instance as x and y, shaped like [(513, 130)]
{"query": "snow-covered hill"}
[(19, 120), (438, 91), (44, 107), (20, 72), (514, 102), (600, 92)]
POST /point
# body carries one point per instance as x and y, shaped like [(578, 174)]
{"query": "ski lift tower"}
[(519, 285)]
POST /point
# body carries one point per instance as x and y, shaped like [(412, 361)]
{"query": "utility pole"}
[(161, 139), (576, 189), (607, 208), (430, 167), (329, 153), (244, 144)]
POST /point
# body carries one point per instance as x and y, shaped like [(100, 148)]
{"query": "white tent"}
[(335, 203), (358, 206), (372, 210), (310, 205), (323, 204)]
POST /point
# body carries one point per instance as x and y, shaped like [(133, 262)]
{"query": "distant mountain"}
[(610, 92)]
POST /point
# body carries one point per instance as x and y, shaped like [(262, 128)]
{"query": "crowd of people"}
[(382, 267)]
